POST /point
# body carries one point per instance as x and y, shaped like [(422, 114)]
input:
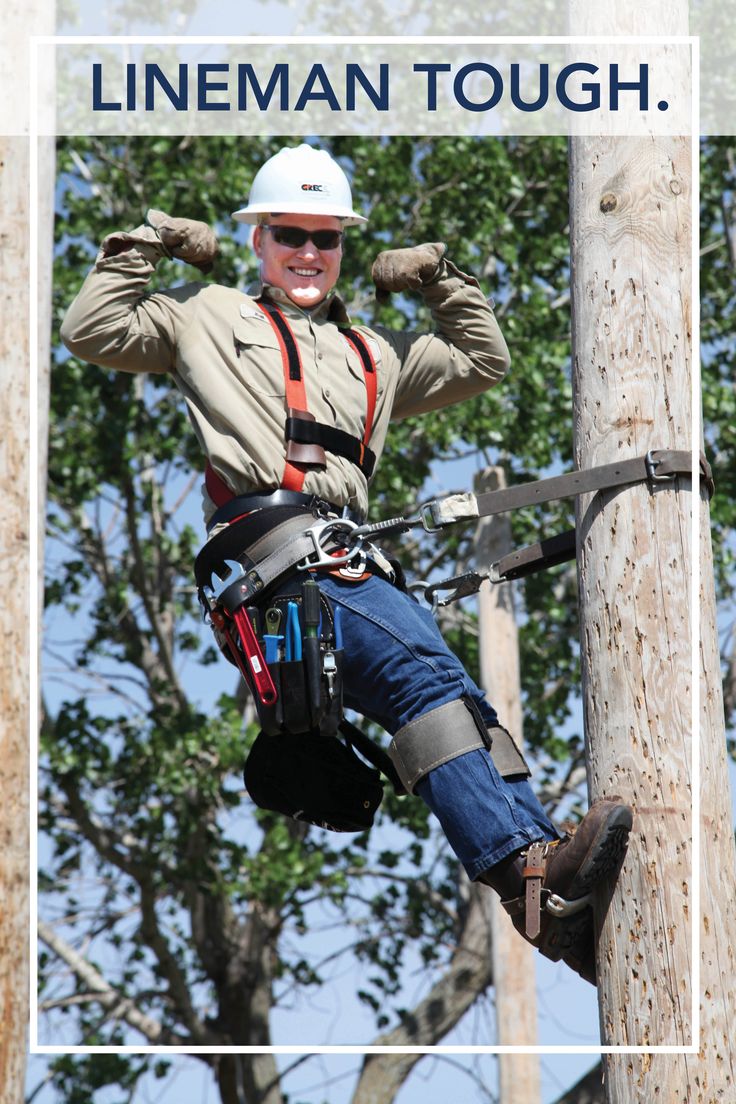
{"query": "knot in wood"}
[(609, 202), (675, 187)]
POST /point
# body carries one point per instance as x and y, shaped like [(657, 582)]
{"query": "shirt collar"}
[(332, 308)]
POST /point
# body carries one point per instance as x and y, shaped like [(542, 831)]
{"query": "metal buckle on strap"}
[(428, 517), (651, 465), (441, 512), (319, 533)]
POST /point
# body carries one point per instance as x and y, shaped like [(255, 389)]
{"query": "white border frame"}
[(33, 613)]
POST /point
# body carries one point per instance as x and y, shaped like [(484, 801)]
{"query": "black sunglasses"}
[(295, 237)]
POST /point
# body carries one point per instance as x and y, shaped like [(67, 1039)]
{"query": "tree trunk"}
[(467, 975), (514, 974), (248, 1079), (631, 249)]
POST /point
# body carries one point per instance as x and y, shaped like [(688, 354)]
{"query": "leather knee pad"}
[(442, 734)]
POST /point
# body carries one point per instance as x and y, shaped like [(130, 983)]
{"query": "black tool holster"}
[(306, 673)]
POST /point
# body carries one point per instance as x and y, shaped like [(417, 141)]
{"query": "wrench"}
[(259, 672)]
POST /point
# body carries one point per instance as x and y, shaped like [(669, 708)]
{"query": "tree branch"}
[(150, 663), (467, 976), (588, 1090), (108, 845), (177, 982), (163, 634), (117, 1006)]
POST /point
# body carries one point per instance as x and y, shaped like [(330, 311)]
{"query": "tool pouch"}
[(314, 778), (309, 689)]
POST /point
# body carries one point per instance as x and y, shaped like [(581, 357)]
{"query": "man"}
[(291, 407)]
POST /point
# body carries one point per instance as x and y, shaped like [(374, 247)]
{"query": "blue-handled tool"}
[(293, 642), (272, 644), (338, 627)]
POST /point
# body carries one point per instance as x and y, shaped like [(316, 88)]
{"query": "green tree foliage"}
[(191, 917)]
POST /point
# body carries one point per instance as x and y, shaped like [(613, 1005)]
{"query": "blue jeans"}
[(398, 667)]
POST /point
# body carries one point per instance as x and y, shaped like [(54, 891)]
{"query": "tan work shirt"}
[(225, 360)]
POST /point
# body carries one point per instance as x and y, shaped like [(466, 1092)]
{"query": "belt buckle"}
[(321, 507), (355, 568)]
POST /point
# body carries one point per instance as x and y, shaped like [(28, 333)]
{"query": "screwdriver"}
[(310, 596)]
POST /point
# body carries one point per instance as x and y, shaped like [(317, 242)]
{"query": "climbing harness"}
[(258, 592), (288, 643), (307, 440)]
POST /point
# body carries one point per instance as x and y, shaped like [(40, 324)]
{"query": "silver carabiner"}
[(318, 533)]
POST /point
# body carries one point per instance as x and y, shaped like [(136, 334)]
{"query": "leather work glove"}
[(186, 239), (401, 269)]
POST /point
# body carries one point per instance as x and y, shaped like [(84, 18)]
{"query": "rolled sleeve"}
[(114, 321), (466, 355)]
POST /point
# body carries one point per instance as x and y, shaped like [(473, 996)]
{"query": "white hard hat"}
[(300, 180)]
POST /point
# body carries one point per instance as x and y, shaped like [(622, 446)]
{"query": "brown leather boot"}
[(546, 887)]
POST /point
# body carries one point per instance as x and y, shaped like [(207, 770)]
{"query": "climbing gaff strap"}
[(446, 732)]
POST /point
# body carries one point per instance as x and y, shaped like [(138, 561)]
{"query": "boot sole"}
[(606, 853), (562, 937)]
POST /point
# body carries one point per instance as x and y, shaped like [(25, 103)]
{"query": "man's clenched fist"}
[(401, 269), (186, 239)]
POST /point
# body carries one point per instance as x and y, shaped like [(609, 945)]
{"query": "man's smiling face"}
[(305, 273)]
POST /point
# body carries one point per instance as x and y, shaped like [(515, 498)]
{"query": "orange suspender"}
[(322, 437)]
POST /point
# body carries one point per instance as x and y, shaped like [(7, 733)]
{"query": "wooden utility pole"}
[(14, 584), (631, 378), (15, 573), (631, 234), (514, 974)]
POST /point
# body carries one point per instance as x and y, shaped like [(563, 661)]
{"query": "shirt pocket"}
[(258, 358)]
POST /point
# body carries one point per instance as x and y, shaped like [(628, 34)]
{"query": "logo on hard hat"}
[(316, 188)]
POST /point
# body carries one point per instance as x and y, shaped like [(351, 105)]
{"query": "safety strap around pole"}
[(661, 465), (534, 557), (546, 553), (658, 466)]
